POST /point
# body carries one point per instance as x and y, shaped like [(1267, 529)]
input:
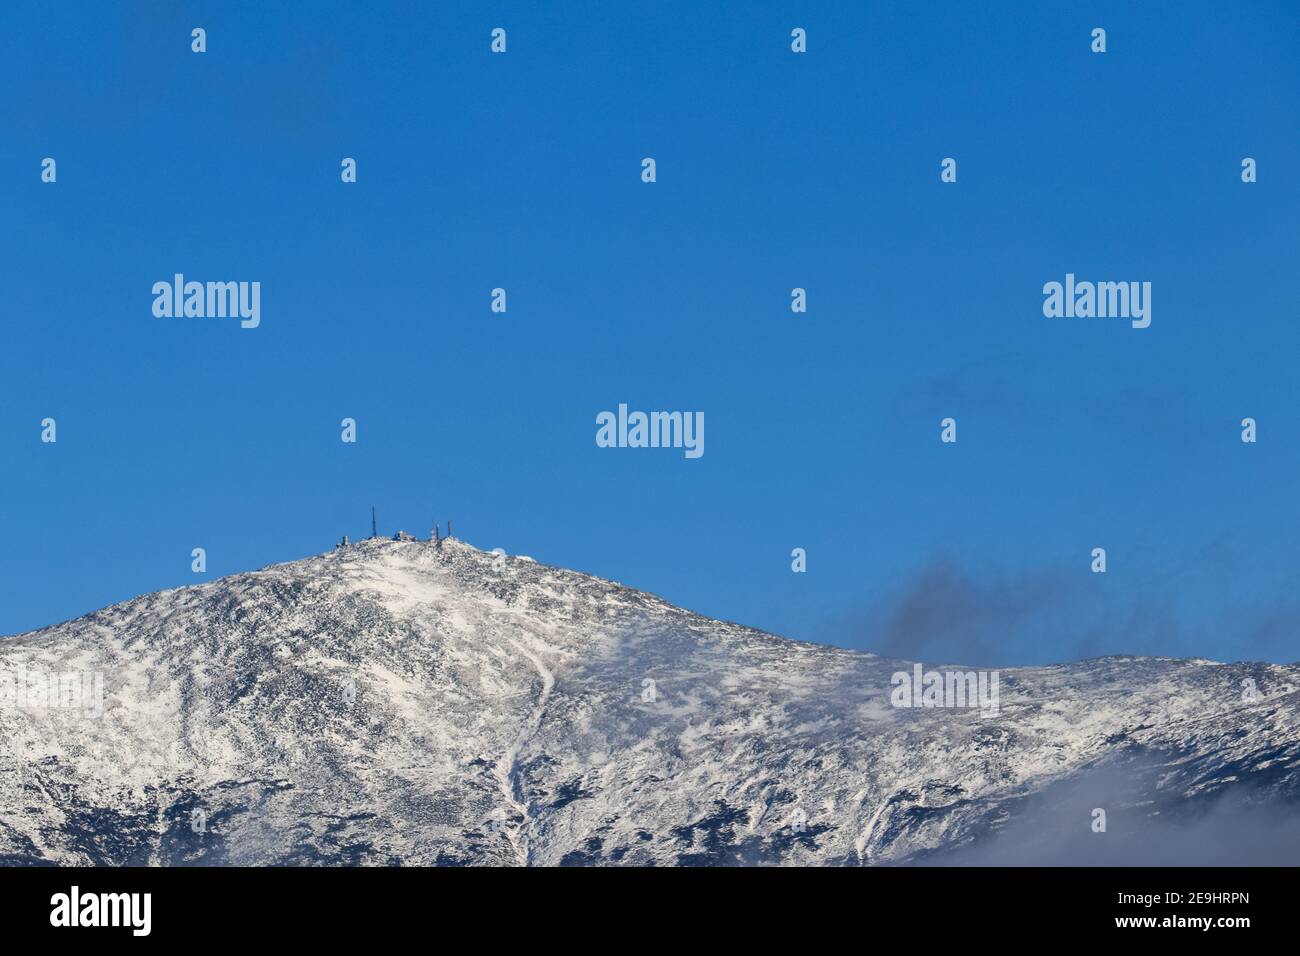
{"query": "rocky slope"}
[(397, 702)]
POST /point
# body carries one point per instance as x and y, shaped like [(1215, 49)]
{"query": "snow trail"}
[(507, 768)]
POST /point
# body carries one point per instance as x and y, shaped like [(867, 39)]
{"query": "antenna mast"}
[(373, 532)]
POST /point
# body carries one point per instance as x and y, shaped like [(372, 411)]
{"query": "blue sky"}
[(775, 170)]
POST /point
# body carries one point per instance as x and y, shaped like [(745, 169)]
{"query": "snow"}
[(396, 701)]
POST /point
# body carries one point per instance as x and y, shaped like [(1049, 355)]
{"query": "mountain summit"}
[(401, 702)]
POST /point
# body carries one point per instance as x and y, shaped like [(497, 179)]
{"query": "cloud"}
[(944, 613), (1242, 824), (953, 612)]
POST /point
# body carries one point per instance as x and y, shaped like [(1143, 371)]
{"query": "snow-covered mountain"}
[(401, 702)]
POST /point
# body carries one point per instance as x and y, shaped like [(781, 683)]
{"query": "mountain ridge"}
[(400, 702)]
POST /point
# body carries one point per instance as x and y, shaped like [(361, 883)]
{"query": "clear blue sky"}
[(775, 170)]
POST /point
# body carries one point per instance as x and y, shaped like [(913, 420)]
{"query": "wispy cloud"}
[(946, 613)]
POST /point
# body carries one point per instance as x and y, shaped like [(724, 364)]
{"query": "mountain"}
[(400, 702)]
